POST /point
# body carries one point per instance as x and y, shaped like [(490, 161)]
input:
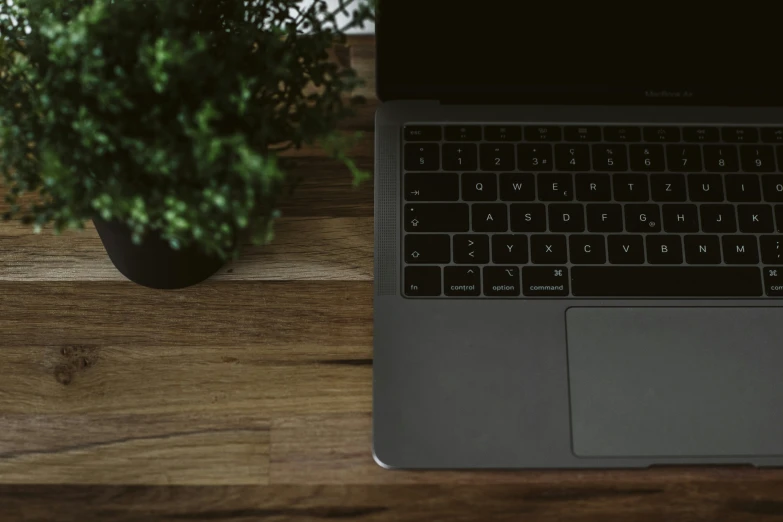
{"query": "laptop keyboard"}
[(549, 211)]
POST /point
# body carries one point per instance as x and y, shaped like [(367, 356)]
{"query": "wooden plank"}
[(175, 448)]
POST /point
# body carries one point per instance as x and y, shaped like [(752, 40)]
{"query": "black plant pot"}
[(154, 263)]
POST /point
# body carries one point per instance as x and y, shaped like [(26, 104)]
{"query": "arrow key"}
[(462, 280), (471, 249)]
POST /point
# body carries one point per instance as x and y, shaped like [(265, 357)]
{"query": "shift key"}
[(437, 217)]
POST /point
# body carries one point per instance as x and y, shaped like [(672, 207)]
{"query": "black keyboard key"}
[(422, 281), (593, 187), (661, 134), (757, 158), (742, 188), (431, 187), (668, 188), (572, 157), (779, 217), (626, 250), (740, 134), (587, 249), (543, 133), (428, 249), (622, 133), (772, 184), (460, 156), (509, 249), (555, 187), (517, 187), (582, 133), (545, 281), (702, 250), (437, 217), (534, 157), (721, 158), (501, 281), (630, 187), (683, 158), (471, 249), (700, 134), (566, 217), (610, 157), (705, 187), (740, 250), (463, 133), (489, 217), (548, 250), (665, 281), (461, 281), (642, 218), (422, 133), (479, 187), (772, 134), (497, 156), (503, 133), (755, 219), (773, 280), (772, 250), (647, 158), (664, 250), (680, 219), (422, 156), (605, 218), (528, 217), (718, 219)]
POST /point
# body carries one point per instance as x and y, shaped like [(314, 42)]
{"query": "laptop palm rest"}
[(676, 382)]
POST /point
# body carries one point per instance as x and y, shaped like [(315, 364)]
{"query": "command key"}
[(773, 281), (545, 281)]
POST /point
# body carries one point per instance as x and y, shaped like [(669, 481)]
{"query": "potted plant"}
[(163, 121)]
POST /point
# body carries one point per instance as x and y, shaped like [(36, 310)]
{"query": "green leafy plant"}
[(166, 115)]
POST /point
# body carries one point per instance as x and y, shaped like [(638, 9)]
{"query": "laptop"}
[(579, 236)]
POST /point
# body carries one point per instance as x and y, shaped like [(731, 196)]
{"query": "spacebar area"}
[(674, 281)]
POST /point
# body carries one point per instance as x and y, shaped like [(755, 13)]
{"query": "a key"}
[(503, 133), (461, 281), (757, 158), (542, 133), (626, 250), (509, 249), (771, 250), (471, 249), (773, 280), (593, 187), (668, 187), (772, 184), (646, 158), (479, 187), (587, 249), (501, 281), (721, 158), (534, 157), (772, 134), (610, 157), (555, 187), (437, 217), (582, 133), (700, 134), (463, 133), (779, 217), (622, 134), (630, 187), (740, 134), (431, 187), (566, 217), (528, 217), (460, 156), (572, 157), (642, 218), (661, 134), (422, 281), (680, 219), (548, 250), (489, 217), (705, 187), (683, 158), (664, 250), (702, 250), (545, 281), (497, 156), (422, 133), (718, 219), (755, 219), (605, 217), (742, 188), (427, 249), (740, 250), (422, 156), (517, 187)]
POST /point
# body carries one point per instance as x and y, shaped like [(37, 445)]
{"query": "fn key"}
[(422, 281)]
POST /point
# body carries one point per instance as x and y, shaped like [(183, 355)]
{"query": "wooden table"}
[(249, 397)]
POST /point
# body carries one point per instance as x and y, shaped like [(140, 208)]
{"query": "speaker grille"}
[(387, 204)]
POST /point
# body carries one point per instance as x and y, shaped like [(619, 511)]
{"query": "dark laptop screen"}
[(634, 52)]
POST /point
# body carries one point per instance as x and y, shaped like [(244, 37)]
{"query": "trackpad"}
[(676, 382)]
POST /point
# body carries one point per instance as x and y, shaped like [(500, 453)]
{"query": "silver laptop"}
[(579, 236)]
